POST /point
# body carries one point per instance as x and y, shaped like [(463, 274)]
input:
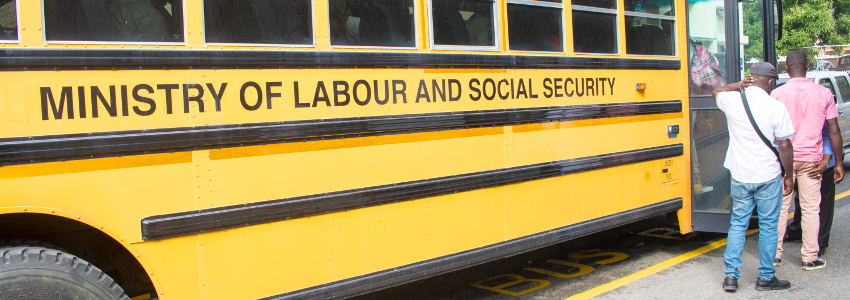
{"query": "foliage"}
[(814, 22), (753, 30)]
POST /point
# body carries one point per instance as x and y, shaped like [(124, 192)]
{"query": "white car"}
[(839, 84)]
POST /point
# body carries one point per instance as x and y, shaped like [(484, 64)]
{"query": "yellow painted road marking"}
[(599, 290), (842, 195)]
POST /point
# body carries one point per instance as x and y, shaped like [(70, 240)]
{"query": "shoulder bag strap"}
[(758, 131)]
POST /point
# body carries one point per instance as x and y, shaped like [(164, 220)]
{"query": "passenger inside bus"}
[(534, 28), (386, 23), (113, 20), (463, 23), (258, 21), (480, 24)]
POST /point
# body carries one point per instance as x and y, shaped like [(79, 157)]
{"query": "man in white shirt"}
[(756, 180)]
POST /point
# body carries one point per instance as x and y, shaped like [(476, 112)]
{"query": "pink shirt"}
[(809, 105)]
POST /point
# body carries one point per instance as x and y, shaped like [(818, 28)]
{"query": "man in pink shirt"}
[(809, 105)]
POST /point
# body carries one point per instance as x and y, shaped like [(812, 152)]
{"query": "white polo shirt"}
[(748, 158)]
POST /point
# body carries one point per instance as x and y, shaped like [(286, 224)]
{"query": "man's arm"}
[(726, 88), (837, 144), (786, 157)]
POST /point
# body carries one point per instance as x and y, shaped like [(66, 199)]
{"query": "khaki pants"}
[(809, 190)]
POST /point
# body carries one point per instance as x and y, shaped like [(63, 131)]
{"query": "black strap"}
[(758, 131)]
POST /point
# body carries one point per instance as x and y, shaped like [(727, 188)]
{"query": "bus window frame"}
[(660, 17), (538, 3), (312, 32), (497, 34), (603, 11), (17, 24), (60, 42), (416, 29)]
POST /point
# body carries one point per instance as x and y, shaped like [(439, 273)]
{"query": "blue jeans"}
[(766, 197)]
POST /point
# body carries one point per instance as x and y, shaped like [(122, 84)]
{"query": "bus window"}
[(535, 26), (707, 45), (463, 23), (649, 27), (114, 21), (8, 20), (286, 22), (382, 23), (595, 26)]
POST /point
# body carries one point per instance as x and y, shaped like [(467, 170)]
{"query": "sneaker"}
[(772, 284), (730, 284), (817, 264), (777, 262)]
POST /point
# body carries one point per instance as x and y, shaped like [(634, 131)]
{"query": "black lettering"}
[(589, 82), (338, 92), (474, 89), (558, 87), (269, 94), (167, 88), (217, 96), (531, 90), (484, 89), (143, 99), (259, 91), (196, 98), (422, 92), (320, 88), (81, 98), (386, 93), (111, 108), (401, 92), (520, 90), (566, 90), (298, 96), (580, 94), (368, 92), (499, 86), (512, 88), (612, 85), (602, 84), (66, 94), (546, 86), (125, 106), (437, 90), (452, 83)]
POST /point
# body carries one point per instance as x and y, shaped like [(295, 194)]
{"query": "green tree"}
[(753, 30), (811, 22)]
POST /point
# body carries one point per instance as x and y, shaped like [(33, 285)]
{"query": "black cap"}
[(763, 69)]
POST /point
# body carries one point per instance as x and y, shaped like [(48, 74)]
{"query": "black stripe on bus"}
[(46, 59), (25, 150), (221, 218), (441, 265)]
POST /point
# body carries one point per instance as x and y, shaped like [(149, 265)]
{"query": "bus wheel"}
[(29, 272), (23, 243)]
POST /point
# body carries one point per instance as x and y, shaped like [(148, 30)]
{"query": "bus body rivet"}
[(25, 209)]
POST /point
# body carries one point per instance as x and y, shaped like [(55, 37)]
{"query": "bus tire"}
[(26, 242), (30, 272)]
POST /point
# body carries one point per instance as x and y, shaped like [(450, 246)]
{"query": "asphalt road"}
[(647, 255)]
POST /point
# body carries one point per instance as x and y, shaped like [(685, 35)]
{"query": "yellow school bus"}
[(312, 149)]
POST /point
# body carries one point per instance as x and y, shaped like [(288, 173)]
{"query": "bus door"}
[(725, 37)]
